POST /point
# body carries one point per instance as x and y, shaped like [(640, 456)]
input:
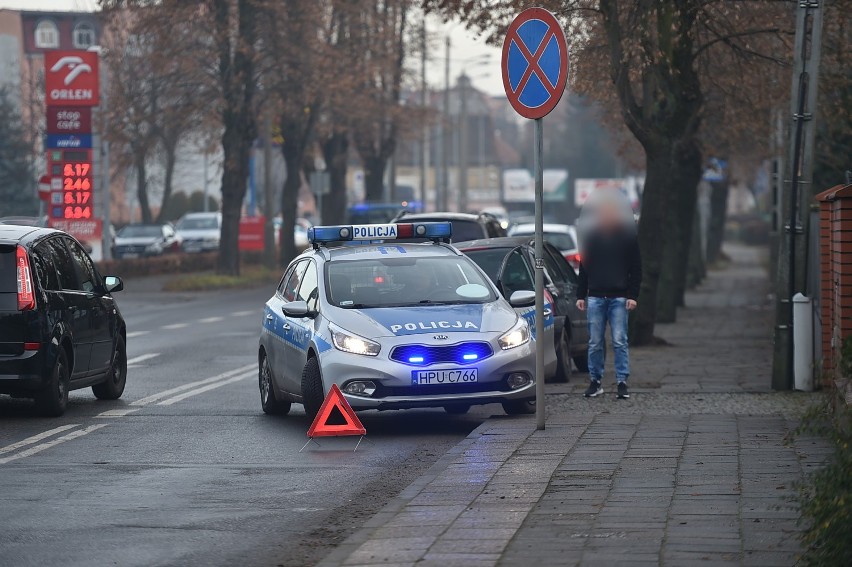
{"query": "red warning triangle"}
[(321, 428)]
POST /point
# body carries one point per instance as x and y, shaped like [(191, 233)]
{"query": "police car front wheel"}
[(312, 390)]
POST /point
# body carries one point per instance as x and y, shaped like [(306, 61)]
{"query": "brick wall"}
[(835, 234)]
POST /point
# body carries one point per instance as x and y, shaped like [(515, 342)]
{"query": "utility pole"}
[(424, 135), (442, 191), (463, 143), (792, 258)]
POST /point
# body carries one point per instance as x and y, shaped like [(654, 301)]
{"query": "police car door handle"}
[(269, 317), (286, 326), (547, 312)]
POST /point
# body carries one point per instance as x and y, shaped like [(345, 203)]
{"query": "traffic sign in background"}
[(535, 63)]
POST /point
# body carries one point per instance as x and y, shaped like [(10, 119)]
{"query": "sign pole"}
[(535, 74), (539, 276)]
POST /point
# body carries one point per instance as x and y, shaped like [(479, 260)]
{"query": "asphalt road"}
[(185, 469)]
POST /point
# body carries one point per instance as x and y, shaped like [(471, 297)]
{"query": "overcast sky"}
[(465, 46)]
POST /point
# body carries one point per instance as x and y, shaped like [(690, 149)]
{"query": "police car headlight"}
[(347, 342), (516, 336)]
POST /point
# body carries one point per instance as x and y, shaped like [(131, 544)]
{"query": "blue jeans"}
[(613, 310)]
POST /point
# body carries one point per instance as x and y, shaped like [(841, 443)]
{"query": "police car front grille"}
[(383, 391), (459, 353)]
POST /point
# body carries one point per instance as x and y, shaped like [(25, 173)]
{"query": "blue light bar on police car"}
[(320, 234)]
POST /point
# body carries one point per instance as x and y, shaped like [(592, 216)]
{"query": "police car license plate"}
[(444, 376)]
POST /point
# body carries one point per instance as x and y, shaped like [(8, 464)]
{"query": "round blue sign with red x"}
[(535, 63)]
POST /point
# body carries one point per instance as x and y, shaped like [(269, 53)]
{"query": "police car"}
[(394, 324)]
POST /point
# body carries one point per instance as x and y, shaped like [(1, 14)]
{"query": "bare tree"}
[(646, 55), (378, 35)]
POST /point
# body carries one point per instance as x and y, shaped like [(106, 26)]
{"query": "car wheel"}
[(519, 407), (53, 399), (116, 378), (582, 363), (312, 390), (270, 404), (563, 356), (457, 409)]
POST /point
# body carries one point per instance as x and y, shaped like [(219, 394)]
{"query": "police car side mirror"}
[(522, 298), (296, 309)]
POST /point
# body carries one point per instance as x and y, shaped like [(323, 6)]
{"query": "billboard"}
[(71, 78), (627, 185), (518, 186)]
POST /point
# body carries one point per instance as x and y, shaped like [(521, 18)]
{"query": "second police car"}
[(395, 325)]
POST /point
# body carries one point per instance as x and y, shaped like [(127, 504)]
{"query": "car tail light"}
[(32, 346), (573, 259), (26, 295)]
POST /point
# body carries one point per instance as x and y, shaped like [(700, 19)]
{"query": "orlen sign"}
[(71, 78)]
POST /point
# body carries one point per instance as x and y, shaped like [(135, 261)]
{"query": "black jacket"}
[(611, 266)]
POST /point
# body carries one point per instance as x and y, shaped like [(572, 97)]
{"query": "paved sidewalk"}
[(693, 469)]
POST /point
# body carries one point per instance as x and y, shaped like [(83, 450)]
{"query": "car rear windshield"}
[(208, 223), (8, 282), (140, 230), (562, 240), (489, 259), (401, 282)]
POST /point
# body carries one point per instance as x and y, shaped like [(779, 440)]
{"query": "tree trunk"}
[(142, 189), (335, 150), (234, 173), (655, 204), (293, 158), (168, 181), (695, 270), (374, 178), (716, 225), (236, 77), (685, 178)]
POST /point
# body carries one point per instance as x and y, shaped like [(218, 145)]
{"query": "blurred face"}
[(609, 217)]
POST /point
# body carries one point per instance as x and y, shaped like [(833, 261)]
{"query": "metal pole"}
[(445, 138), (792, 260), (539, 277), (106, 237), (206, 183), (463, 144), (268, 193), (424, 135)]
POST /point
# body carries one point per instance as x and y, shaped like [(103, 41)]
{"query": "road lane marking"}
[(243, 313), (211, 320), (117, 412), (37, 438), (206, 388), (137, 334), (142, 358), (166, 393), (52, 443), (175, 326)]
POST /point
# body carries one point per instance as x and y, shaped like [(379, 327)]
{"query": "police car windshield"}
[(404, 282)]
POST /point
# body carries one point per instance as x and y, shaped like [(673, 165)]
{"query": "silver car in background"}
[(199, 232)]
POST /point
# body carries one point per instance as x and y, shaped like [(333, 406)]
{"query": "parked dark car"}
[(60, 328), (137, 240), (465, 226), (509, 262)]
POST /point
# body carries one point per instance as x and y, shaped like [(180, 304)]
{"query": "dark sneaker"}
[(623, 392), (594, 389)]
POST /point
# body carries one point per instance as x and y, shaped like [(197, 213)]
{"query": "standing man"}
[(609, 280)]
